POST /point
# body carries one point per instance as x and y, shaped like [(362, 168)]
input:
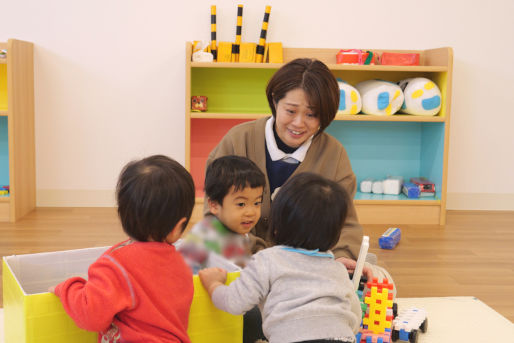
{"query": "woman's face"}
[(295, 122)]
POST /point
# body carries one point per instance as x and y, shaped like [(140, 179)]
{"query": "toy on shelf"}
[(366, 185), (213, 33), (247, 53), (3, 53), (198, 103), (378, 187), (393, 185), (407, 324), (426, 187), (224, 52), (411, 190), (390, 238), (399, 59), (201, 52), (275, 52), (259, 52), (422, 97), (239, 28), (380, 97), (355, 56), (350, 101)]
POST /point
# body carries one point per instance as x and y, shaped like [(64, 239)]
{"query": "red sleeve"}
[(93, 304)]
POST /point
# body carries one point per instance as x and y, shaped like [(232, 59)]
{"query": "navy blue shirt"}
[(279, 171)]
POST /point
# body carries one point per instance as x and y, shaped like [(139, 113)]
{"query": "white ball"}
[(422, 96), (380, 97)]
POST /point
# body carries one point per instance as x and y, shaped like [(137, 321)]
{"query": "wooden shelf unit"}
[(17, 143), (378, 146)]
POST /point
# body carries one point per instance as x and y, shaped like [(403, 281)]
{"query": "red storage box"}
[(399, 59), (355, 56)]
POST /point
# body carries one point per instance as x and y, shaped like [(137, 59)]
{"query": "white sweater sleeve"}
[(246, 291), (356, 309)]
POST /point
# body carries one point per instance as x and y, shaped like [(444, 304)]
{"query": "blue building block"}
[(390, 238)]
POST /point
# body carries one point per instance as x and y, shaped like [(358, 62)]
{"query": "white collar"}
[(276, 154)]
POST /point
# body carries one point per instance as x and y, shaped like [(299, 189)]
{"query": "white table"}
[(450, 319)]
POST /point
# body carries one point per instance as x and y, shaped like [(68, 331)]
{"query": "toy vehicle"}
[(407, 325)]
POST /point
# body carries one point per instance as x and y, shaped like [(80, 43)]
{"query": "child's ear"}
[(214, 206), (176, 233)]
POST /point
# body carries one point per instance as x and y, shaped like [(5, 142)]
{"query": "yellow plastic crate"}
[(32, 315)]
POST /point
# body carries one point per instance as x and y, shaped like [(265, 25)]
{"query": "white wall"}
[(109, 79)]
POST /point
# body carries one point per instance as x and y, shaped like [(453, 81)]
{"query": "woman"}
[(304, 97)]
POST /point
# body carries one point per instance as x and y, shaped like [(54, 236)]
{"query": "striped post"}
[(239, 25), (213, 33), (259, 53)]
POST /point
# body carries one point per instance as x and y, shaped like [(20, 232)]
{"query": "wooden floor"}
[(473, 255)]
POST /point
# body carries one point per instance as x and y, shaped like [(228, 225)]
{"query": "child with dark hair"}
[(140, 290), (305, 295), (233, 187)]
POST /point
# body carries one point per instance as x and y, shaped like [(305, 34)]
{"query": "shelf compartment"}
[(241, 91), (345, 117), (205, 135), (4, 152), (379, 149), (232, 90), (3, 88)]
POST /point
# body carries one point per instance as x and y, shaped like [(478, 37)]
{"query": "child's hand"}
[(351, 264), (211, 278)]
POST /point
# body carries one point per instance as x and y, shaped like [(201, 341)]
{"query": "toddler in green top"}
[(233, 187)]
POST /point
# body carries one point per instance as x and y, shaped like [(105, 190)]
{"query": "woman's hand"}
[(211, 278), (351, 264)]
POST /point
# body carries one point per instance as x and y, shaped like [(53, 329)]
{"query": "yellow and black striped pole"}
[(259, 53), (239, 25), (213, 33)]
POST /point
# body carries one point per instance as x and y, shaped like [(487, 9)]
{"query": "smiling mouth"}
[(296, 133)]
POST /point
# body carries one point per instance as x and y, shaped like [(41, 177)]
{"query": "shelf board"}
[(380, 199), (3, 113), (395, 118), (3, 60), (359, 117), (421, 69), (5, 198), (207, 115), (390, 199)]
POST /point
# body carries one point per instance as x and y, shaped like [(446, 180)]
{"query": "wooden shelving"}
[(378, 146), (17, 145)]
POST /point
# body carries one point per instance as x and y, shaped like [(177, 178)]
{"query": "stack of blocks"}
[(377, 321), (32, 315)]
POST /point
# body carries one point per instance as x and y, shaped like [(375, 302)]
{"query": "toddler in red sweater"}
[(140, 290)]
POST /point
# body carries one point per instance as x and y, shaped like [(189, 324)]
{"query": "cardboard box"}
[(32, 315)]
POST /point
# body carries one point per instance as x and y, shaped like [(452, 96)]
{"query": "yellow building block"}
[(247, 53), (32, 315), (275, 52), (224, 52)]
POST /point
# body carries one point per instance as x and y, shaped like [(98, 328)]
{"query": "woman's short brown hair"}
[(318, 82)]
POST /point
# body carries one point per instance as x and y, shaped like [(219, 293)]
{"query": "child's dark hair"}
[(227, 171), (153, 194), (308, 212)]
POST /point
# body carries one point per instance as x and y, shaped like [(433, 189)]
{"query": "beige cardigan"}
[(326, 157)]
